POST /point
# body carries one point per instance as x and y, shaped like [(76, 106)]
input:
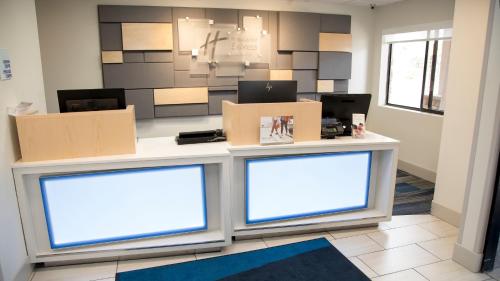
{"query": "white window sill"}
[(388, 107)]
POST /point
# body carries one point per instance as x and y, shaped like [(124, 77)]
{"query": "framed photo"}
[(276, 129)]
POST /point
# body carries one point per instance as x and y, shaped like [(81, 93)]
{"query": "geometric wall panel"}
[(114, 13), (253, 13), (309, 96), (143, 102), (158, 56), (185, 79), (182, 62), (298, 31), (147, 36), (306, 80), (305, 60), (133, 56), (215, 99), (110, 36), (255, 75), (112, 57), (214, 81), (138, 75), (335, 23), (222, 15), (325, 86), (334, 65), (341, 85), (280, 74), (335, 42), (179, 110), (180, 96)]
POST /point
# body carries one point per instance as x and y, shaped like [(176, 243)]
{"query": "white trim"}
[(446, 214), (470, 260)]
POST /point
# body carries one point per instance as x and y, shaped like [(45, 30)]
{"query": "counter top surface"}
[(164, 148)]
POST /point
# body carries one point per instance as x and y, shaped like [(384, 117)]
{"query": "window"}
[(417, 69)]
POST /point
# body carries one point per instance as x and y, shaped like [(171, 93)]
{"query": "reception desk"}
[(167, 199)]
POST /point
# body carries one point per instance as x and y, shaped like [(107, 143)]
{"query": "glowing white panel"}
[(86, 209), (298, 186)]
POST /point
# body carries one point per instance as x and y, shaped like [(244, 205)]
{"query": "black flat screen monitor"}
[(342, 106), (267, 91), (91, 100)]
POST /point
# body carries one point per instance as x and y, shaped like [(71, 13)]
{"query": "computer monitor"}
[(342, 106), (267, 91), (91, 100)]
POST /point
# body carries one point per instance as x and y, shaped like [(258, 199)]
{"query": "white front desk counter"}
[(168, 199)]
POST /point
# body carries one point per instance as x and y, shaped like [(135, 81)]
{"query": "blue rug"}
[(412, 196), (314, 260)]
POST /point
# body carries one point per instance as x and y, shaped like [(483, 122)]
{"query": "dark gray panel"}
[(138, 75), (223, 88), (159, 56), (133, 57), (255, 74), (111, 36), (335, 23), (253, 13), (143, 101), (258, 65), (283, 60), (298, 31), (182, 62), (112, 13), (215, 100), (222, 15), (214, 81), (178, 110), (306, 80), (184, 79), (309, 96), (334, 65), (341, 85), (305, 60)]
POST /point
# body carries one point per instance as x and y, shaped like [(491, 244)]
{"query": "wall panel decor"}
[(326, 86), (181, 96), (212, 49)]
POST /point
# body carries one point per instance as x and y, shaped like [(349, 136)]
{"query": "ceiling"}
[(361, 2)]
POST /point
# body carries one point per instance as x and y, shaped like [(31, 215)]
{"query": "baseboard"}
[(446, 214), (417, 171), (470, 260)]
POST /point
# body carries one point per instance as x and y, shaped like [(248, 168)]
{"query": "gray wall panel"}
[(112, 13), (341, 85), (306, 80), (181, 110), (138, 75), (258, 65), (143, 101), (184, 79), (253, 13), (298, 31), (159, 56), (222, 15), (334, 65), (223, 88), (255, 74), (215, 100), (335, 23), (214, 81), (305, 60), (111, 36), (182, 62), (133, 57), (283, 60)]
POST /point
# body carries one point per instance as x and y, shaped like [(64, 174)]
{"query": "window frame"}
[(432, 79)]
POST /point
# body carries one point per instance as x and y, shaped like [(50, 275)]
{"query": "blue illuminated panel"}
[(288, 187), (86, 209)]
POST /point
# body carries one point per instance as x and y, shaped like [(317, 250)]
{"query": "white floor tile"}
[(82, 272), (400, 221), (449, 271), (442, 248), (440, 228), (339, 234), (282, 240), (128, 265), (363, 267), (397, 237), (397, 259), (356, 245), (236, 247), (407, 275)]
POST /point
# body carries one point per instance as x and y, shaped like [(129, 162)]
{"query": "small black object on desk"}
[(200, 137)]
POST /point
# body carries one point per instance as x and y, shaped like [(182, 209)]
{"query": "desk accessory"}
[(200, 137)]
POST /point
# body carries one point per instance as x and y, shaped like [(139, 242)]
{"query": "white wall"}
[(18, 34), (463, 105), (419, 133), (69, 42)]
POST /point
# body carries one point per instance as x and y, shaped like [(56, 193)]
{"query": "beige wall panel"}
[(112, 57), (181, 96), (241, 122), (76, 134), (325, 86), (280, 74), (147, 36), (335, 42)]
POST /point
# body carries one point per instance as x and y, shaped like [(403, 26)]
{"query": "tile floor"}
[(409, 248)]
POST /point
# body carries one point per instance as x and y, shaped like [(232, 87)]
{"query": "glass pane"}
[(440, 76), (406, 73)]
